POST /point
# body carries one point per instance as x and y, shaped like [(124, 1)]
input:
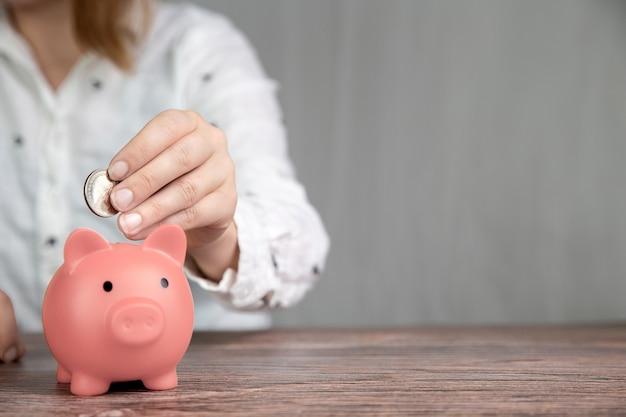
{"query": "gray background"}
[(467, 157)]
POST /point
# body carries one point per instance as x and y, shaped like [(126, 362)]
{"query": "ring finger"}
[(179, 195)]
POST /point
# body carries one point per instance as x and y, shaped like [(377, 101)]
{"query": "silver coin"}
[(97, 192)]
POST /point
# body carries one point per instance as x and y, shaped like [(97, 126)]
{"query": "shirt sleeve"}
[(282, 240)]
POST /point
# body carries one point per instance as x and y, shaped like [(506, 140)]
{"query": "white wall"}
[(468, 157)]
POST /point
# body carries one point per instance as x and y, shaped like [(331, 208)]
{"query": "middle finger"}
[(183, 156)]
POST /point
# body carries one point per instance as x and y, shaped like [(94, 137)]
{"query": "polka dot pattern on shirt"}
[(96, 84)]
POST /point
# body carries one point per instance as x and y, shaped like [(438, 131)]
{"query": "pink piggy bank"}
[(119, 311)]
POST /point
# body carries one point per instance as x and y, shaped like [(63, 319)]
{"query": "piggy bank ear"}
[(169, 239), (80, 243)]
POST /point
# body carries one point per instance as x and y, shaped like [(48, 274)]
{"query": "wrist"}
[(213, 259)]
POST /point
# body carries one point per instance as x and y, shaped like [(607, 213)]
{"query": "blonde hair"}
[(112, 28)]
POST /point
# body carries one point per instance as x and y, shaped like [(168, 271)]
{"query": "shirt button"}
[(51, 241)]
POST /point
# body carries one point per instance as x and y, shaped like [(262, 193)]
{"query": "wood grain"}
[(575, 370)]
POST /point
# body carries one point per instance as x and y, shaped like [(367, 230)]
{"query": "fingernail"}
[(122, 199), (9, 355), (130, 222), (118, 170)]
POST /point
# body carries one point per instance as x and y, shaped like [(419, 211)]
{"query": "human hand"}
[(11, 348), (177, 169)]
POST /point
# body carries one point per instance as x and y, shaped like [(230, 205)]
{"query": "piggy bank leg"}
[(164, 381), (83, 384), (63, 375)]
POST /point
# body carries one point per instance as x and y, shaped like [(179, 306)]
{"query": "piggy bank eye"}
[(164, 283), (107, 286)]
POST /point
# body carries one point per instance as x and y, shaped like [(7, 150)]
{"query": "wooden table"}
[(575, 370)]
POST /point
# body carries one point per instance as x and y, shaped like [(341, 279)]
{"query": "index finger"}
[(156, 136)]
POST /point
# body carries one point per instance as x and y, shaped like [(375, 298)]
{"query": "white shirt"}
[(50, 141)]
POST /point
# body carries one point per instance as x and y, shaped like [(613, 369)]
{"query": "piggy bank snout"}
[(136, 321)]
